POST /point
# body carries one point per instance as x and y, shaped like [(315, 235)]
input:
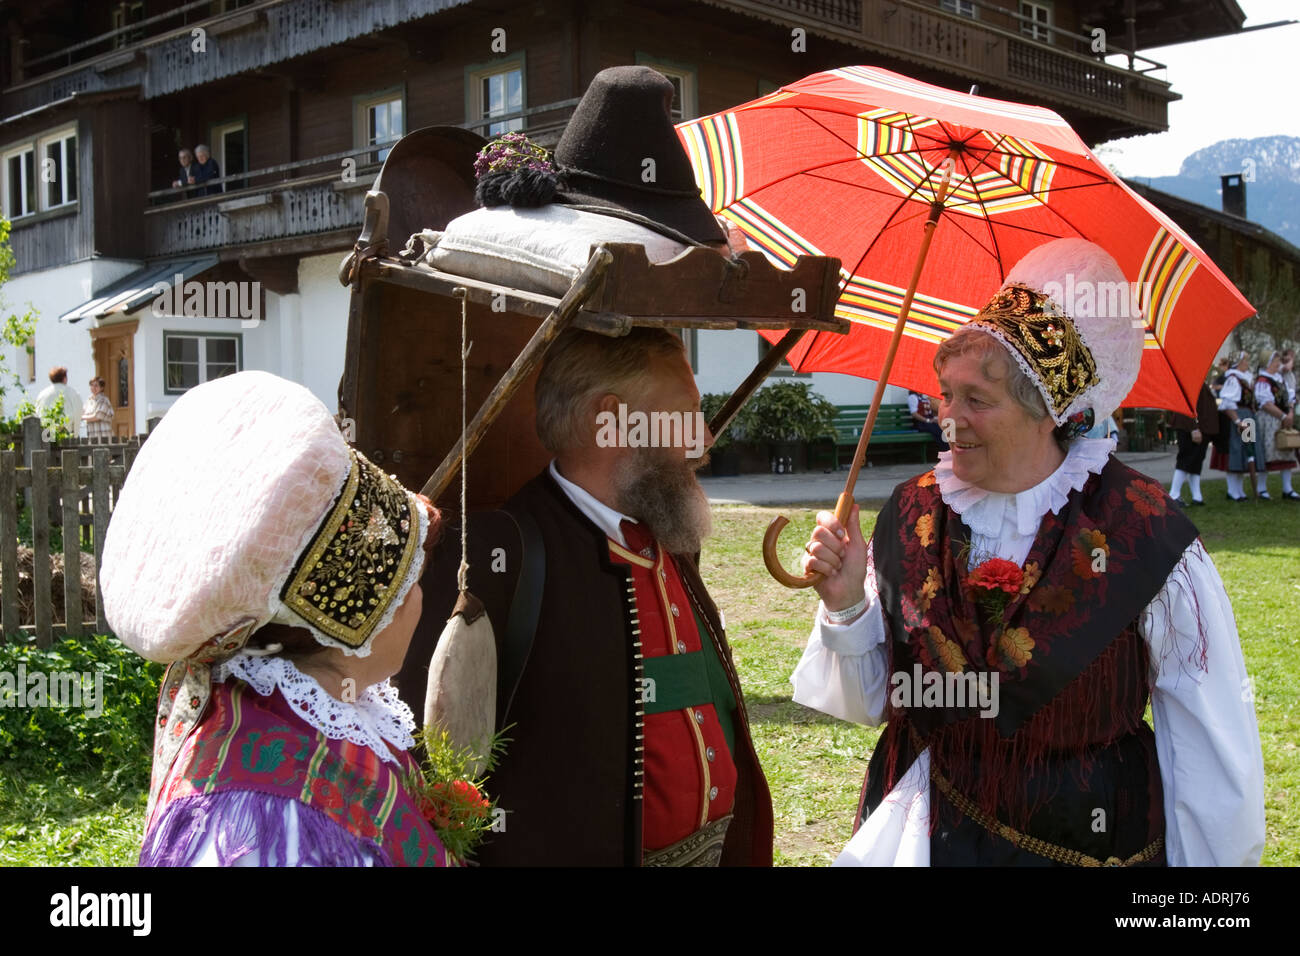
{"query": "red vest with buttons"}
[(690, 776)]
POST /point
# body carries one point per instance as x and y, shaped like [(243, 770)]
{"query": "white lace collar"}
[(378, 715), (987, 512)]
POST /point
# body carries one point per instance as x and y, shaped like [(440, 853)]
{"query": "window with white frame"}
[(1041, 15), (20, 181), (380, 119), (496, 90), (193, 359), (58, 155), (685, 100), (964, 8)]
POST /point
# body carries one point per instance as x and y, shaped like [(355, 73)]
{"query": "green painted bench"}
[(893, 427)]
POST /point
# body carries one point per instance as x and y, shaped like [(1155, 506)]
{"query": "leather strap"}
[(525, 610)]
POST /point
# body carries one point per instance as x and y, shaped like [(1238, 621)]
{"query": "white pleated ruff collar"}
[(986, 513)]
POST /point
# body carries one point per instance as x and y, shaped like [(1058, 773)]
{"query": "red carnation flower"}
[(998, 574)]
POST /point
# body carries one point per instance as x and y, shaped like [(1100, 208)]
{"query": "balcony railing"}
[(158, 53), (307, 197), (997, 46)]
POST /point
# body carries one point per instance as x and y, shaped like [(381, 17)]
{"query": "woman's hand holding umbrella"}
[(839, 556)]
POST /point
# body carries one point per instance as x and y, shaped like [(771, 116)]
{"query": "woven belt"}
[(1024, 841), (701, 848)]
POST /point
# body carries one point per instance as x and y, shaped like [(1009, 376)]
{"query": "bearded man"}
[(629, 740)]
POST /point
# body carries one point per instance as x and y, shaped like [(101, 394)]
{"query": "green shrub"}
[(790, 411), (112, 733)]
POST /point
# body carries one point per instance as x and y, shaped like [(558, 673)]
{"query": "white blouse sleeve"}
[(1263, 394), (1230, 394), (845, 667), (1207, 739)]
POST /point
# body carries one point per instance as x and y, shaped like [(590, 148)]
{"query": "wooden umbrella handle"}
[(843, 508)]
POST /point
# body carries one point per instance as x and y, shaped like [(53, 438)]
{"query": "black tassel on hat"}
[(523, 187)]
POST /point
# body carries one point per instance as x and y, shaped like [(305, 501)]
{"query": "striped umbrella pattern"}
[(848, 163)]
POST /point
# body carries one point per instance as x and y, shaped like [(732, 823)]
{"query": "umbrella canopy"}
[(849, 162)]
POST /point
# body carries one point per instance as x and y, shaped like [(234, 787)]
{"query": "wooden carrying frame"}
[(401, 384)]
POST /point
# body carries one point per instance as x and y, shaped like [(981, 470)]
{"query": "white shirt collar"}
[(986, 512), (602, 515)]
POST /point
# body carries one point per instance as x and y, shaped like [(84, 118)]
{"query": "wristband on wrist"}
[(846, 615)]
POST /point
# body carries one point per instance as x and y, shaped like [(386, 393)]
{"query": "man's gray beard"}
[(666, 497)]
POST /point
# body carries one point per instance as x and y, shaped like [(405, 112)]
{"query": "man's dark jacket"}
[(570, 781)]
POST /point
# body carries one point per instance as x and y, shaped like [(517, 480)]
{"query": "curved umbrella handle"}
[(843, 508)]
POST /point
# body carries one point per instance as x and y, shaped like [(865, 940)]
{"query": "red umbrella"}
[(928, 196), (848, 162)]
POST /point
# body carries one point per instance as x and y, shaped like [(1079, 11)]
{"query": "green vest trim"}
[(692, 680)]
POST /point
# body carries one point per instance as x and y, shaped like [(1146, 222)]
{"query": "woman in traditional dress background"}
[(1236, 452), (1032, 565), (1275, 410), (276, 570)]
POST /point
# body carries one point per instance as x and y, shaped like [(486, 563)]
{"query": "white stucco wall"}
[(324, 326), (52, 292), (726, 357)]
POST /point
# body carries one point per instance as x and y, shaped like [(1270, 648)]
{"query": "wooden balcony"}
[(1062, 73), (309, 198), (293, 201), (157, 54)]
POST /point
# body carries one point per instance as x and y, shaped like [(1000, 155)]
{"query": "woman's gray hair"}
[(583, 366), (1020, 386)]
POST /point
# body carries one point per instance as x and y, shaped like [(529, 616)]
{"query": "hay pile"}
[(26, 601)]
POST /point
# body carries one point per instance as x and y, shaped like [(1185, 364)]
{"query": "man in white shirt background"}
[(71, 400)]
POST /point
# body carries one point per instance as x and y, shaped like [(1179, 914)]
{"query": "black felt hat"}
[(622, 121)]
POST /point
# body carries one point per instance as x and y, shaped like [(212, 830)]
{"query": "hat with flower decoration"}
[(1069, 318)]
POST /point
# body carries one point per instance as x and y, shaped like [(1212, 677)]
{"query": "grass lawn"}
[(814, 763)]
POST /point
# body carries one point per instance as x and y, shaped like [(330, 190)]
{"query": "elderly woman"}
[(275, 569), (1016, 608), (1275, 411)]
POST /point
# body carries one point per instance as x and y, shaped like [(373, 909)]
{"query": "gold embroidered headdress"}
[(1083, 358)]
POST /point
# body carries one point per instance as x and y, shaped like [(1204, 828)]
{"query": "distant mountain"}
[(1272, 199)]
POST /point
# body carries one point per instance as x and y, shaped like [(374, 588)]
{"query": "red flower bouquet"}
[(449, 790), (994, 583)]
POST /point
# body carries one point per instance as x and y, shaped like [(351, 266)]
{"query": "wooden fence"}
[(72, 485)]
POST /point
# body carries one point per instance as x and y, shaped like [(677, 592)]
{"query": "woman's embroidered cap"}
[(1069, 318), (246, 505)]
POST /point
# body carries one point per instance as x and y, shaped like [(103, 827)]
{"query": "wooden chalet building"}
[(296, 99)]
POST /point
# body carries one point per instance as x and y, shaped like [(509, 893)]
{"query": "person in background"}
[(1289, 380), (924, 418), (71, 400), (1194, 436), (1276, 410), (1106, 428), (206, 169), (1219, 374), (98, 415), (1237, 402), (188, 172)]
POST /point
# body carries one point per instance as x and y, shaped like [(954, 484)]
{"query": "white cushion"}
[(538, 250)]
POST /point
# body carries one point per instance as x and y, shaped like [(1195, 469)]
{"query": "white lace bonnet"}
[(246, 506), (1071, 321)]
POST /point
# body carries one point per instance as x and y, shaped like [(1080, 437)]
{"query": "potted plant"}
[(724, 456), (787, 415)]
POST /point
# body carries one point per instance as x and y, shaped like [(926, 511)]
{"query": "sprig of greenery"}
[(449, 788)]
